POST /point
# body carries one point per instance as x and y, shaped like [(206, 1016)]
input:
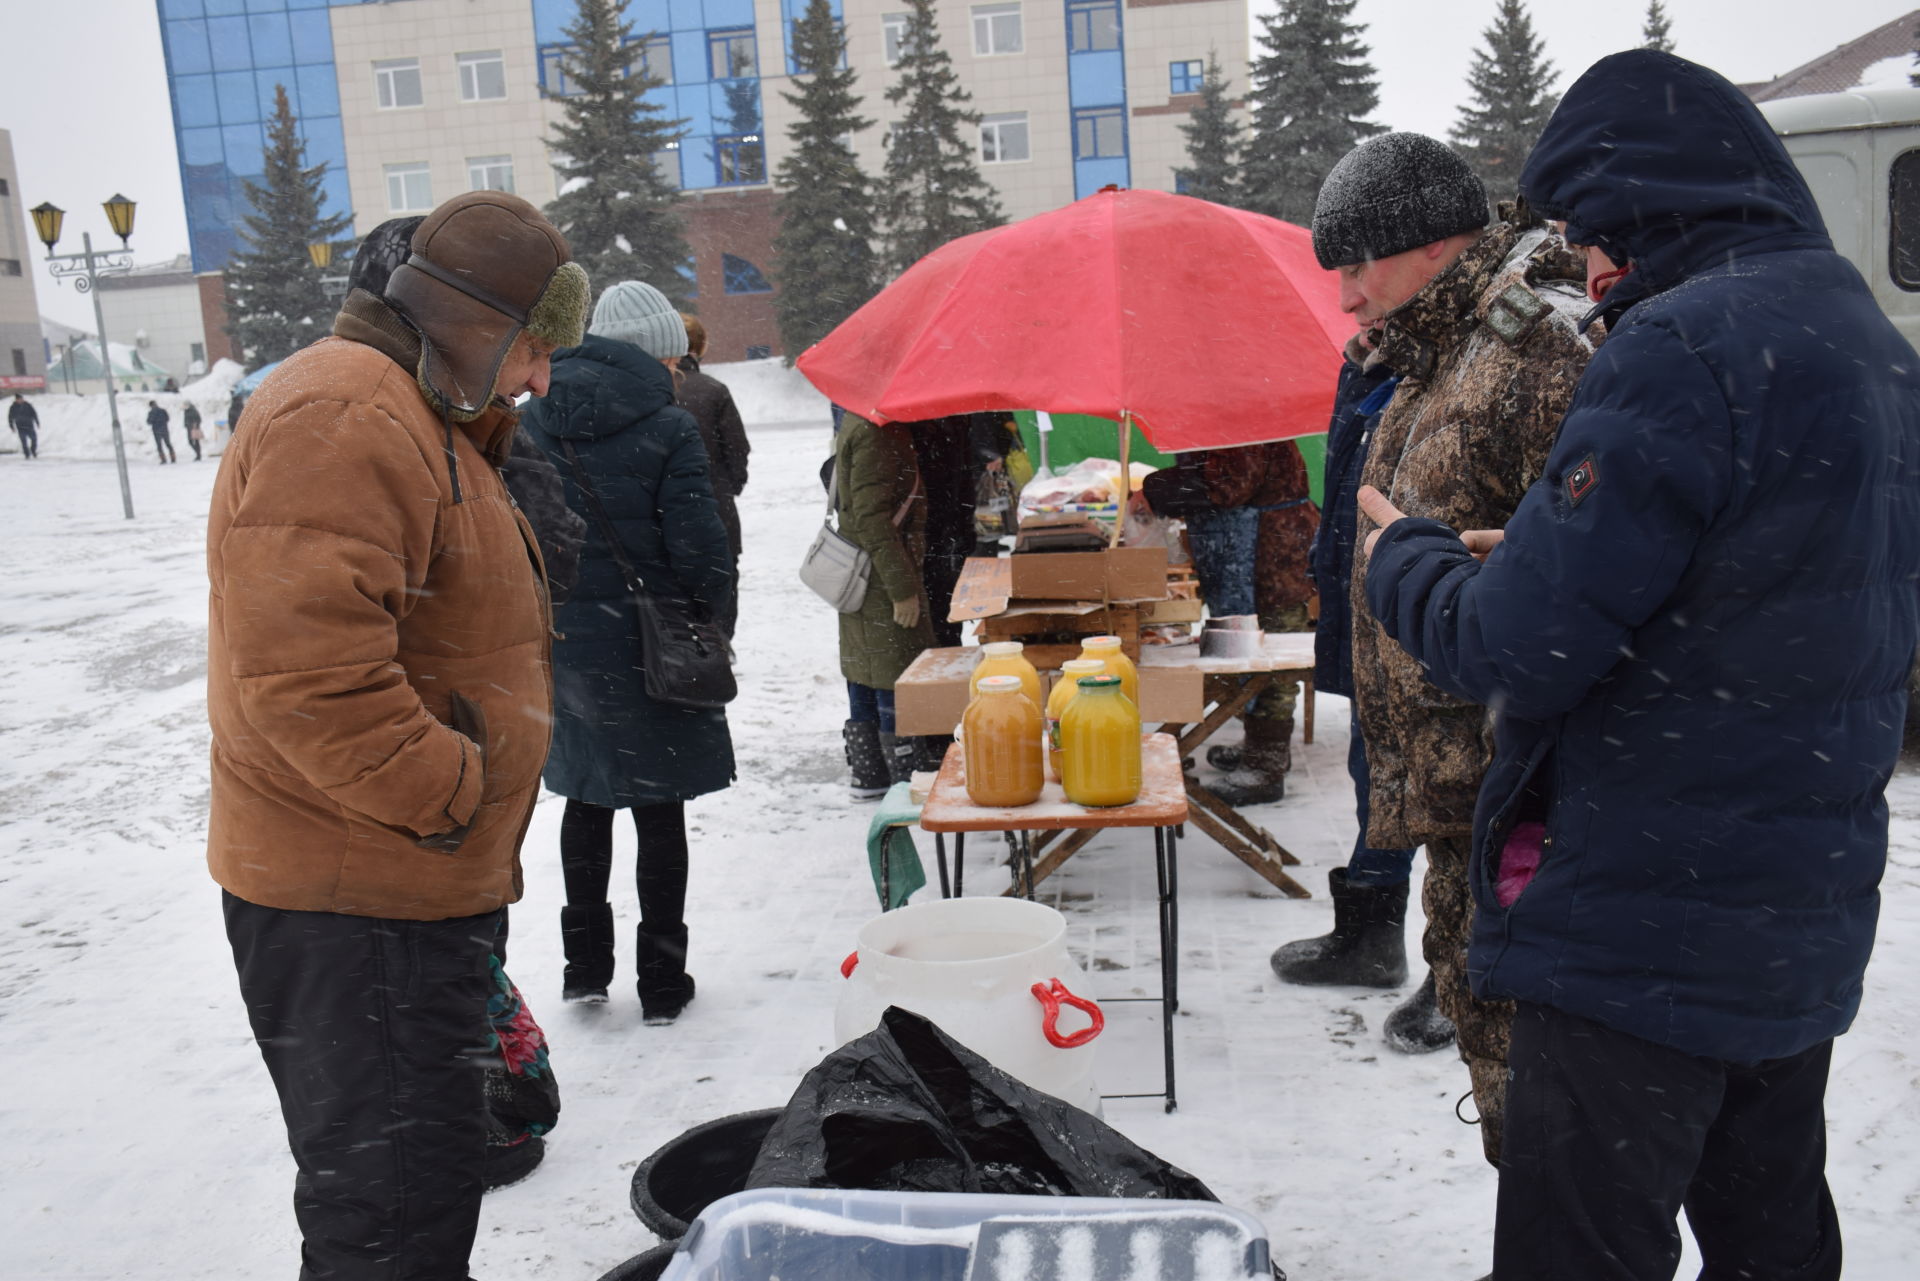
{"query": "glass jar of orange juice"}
[(1001, 736), (1107, 650), (1100, 744), (1063, 691), (1003, 658)]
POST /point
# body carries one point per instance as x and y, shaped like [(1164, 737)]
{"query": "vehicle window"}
[(1903, 220)]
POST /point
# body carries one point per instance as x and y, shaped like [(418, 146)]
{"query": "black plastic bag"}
[(906, 1108)]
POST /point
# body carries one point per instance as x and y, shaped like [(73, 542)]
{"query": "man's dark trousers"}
[(29, 441), (1608, 1137), (373, 1030), (163, 443)]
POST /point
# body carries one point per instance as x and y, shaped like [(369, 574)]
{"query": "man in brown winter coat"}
[(379, 693), (1478, 323)]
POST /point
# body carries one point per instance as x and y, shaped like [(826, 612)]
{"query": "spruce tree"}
[(823, 254), (1657, 31), (1214, 142), (275, 301), (1313, 89), (932, 191), (616, 208), (1512, 96)]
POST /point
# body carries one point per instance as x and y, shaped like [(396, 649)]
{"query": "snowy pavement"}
[(143, 1137)]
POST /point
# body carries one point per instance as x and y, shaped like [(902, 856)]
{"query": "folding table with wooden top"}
[(1284, 657), (1162, 806)]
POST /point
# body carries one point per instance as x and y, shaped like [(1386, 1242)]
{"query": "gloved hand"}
[(906, 613)]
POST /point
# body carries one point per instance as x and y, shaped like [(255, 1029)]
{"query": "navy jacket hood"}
[(602, 387), (1662, 162)]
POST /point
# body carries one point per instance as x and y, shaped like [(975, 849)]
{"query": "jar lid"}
[(1000, 685), (1000, 649), (1100, 642), (1086, 682), (1083, 665)]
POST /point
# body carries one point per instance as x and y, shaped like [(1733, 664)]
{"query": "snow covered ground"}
[(142, 1134)]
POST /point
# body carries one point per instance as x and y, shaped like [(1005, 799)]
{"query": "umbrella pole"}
[(1126, 475)]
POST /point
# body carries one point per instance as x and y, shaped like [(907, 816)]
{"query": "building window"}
[(398, 80), (759, 351), (1903, 198), (409, 188), (996, 28), (667, 162), (893, 34), (656, 58), (1093, 26), (196, 353), (1186, 77), (20, 358), (741, 159), (4, 189), (742, 277), (1004, 138), (553, 73), (730, 54), (483, 76), (1099, 133), (490, 173)]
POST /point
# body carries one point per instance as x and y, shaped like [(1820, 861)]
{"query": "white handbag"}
[(835, 567)]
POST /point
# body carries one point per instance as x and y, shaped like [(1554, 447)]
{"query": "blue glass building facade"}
[(224, 59)]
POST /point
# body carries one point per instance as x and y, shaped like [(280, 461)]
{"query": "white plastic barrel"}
[(972, 966)]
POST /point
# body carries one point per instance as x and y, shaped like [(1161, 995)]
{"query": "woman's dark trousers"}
[(586, 923), (373, 1031)]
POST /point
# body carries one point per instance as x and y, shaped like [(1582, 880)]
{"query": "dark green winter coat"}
[(612, 745), (882, 508)]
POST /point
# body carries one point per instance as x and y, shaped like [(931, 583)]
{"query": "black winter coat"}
[(1697, 633), (612, 745), (535, 484), (1357, 403), (725, 437)]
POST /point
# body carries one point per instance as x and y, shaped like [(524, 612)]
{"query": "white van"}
[(1860, 152)]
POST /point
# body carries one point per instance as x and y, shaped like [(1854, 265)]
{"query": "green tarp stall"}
[(1077, 436)]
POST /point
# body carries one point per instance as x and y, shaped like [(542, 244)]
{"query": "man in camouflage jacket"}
[(1487, 353)]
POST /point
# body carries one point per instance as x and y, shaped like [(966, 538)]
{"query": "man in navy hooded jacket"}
[(1694, 637)]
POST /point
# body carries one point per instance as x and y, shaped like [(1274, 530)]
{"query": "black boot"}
[(901, 756), (1225, 757), (1264, 759), (1416, 1025), (665, 986), (866, 766), (586, 936), (1368, 946)]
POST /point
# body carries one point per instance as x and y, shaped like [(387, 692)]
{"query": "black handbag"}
[(684, 655)]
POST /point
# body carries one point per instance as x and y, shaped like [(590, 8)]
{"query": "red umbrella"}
[(1207, 326)]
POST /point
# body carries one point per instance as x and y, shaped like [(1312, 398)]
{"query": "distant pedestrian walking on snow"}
[(725, 436), (162, 438), (611, 409), (190, 416), (25, 421), (378, 688)]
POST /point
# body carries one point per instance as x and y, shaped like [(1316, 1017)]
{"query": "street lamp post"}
[(86, 268)]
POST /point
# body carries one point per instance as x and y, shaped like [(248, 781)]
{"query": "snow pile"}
[(219, 380), (80, 427), (766, 392)]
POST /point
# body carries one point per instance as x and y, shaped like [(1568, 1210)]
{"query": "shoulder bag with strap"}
[(683, 651), (836, 567)]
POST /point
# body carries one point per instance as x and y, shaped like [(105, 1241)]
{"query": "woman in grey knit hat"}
[(611, 406)]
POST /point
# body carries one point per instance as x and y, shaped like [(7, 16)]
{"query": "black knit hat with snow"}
[(1392, 193)]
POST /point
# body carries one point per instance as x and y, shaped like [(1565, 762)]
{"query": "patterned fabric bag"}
[(523, 1098)]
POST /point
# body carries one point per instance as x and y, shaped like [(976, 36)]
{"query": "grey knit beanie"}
[(635, 312), (1392, 193)]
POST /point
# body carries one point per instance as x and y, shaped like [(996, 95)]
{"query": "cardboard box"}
[(1118, 573), (931, 695)]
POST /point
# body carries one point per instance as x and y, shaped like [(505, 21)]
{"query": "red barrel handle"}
[(846, 966), (1051, 997)]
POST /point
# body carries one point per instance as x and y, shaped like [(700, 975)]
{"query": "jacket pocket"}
[(471, 722), (1483, 867)]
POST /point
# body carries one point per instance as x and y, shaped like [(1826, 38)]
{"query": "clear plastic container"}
[(1002, 745), (787, 1234), (1100, 745), (1063, 691)]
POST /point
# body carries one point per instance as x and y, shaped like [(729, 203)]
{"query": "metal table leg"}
[(959, 864), (1169, 955), (940, 853)]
